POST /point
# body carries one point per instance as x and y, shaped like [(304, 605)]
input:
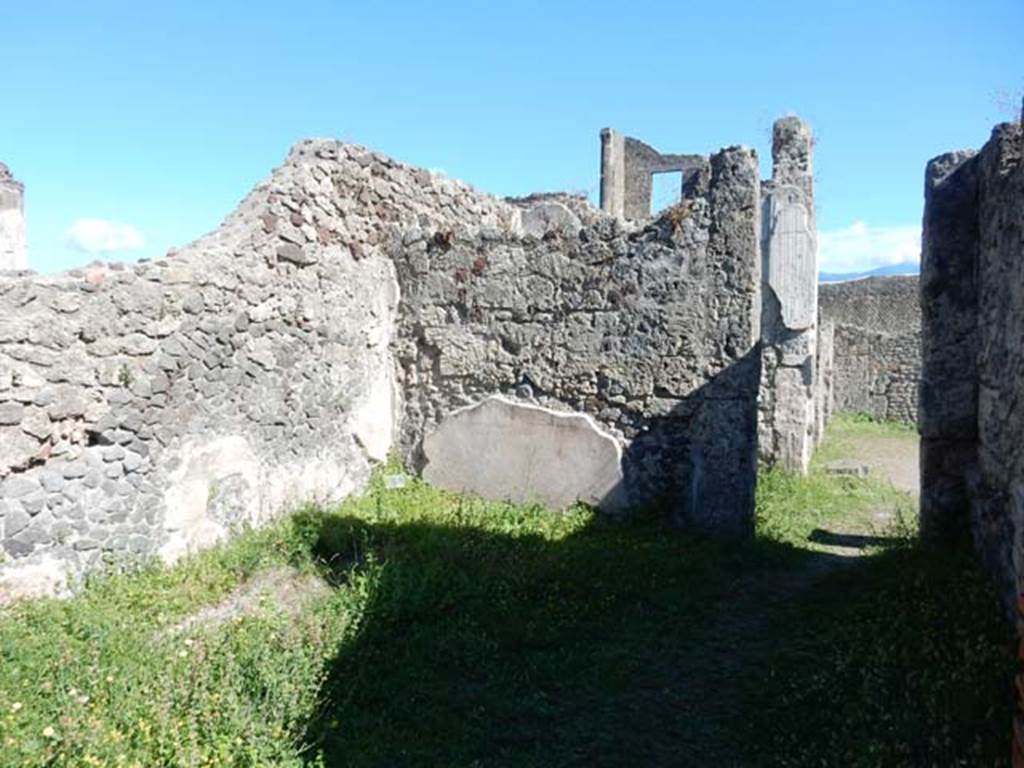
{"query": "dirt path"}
[(894, 457)]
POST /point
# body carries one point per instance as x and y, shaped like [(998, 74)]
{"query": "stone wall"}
[(972, 394), (652, 331), (788, 424), (972, 286), (877, 346), (12, 222), (152, 409), (794, 397), (824, 385)]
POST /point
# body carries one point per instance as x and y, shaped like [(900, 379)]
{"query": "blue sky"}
[(138, 126)]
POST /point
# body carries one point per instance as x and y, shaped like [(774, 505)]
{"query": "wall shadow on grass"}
[(850, 540), (633, 644)]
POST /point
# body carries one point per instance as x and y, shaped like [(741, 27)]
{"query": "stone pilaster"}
[(790, 291), (613, 173)]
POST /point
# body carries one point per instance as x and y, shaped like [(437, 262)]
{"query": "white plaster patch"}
[(375, 418), (325, 480), (549, 216), (258, 493), (45, 577), (792, 262), (374, 421), (191, 486), (505, 450)]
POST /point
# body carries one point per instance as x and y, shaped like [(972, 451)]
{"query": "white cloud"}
[(102, 236), (860, 247)]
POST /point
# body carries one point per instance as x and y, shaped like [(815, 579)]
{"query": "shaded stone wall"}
[(12, 222), (972, 394), (652, 332), (788, 424), (972, 293), (877, 347), (948, 405)]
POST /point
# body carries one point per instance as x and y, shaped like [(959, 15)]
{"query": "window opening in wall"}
[(666, 190)]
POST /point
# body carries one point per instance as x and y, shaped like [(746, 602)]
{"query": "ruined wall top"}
[(10, 188), (627, 168), (889, 305), (792, 146), (147, 409), (12, 222)]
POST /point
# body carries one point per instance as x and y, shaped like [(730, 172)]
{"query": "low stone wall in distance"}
[(876, 346)]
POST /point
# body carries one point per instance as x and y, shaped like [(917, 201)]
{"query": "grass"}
[(466, 633), (847, 431)]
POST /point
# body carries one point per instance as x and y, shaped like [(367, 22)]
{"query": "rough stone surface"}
[(788, 424), (13, 255), (877, 345), (651, 331), (501, 449), (164, 404), (972, 395), (948, 405)]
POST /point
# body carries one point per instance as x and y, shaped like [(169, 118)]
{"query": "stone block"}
[(848, 467), (11, 413)]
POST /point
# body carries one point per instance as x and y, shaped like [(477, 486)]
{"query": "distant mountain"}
[(906, 268)]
